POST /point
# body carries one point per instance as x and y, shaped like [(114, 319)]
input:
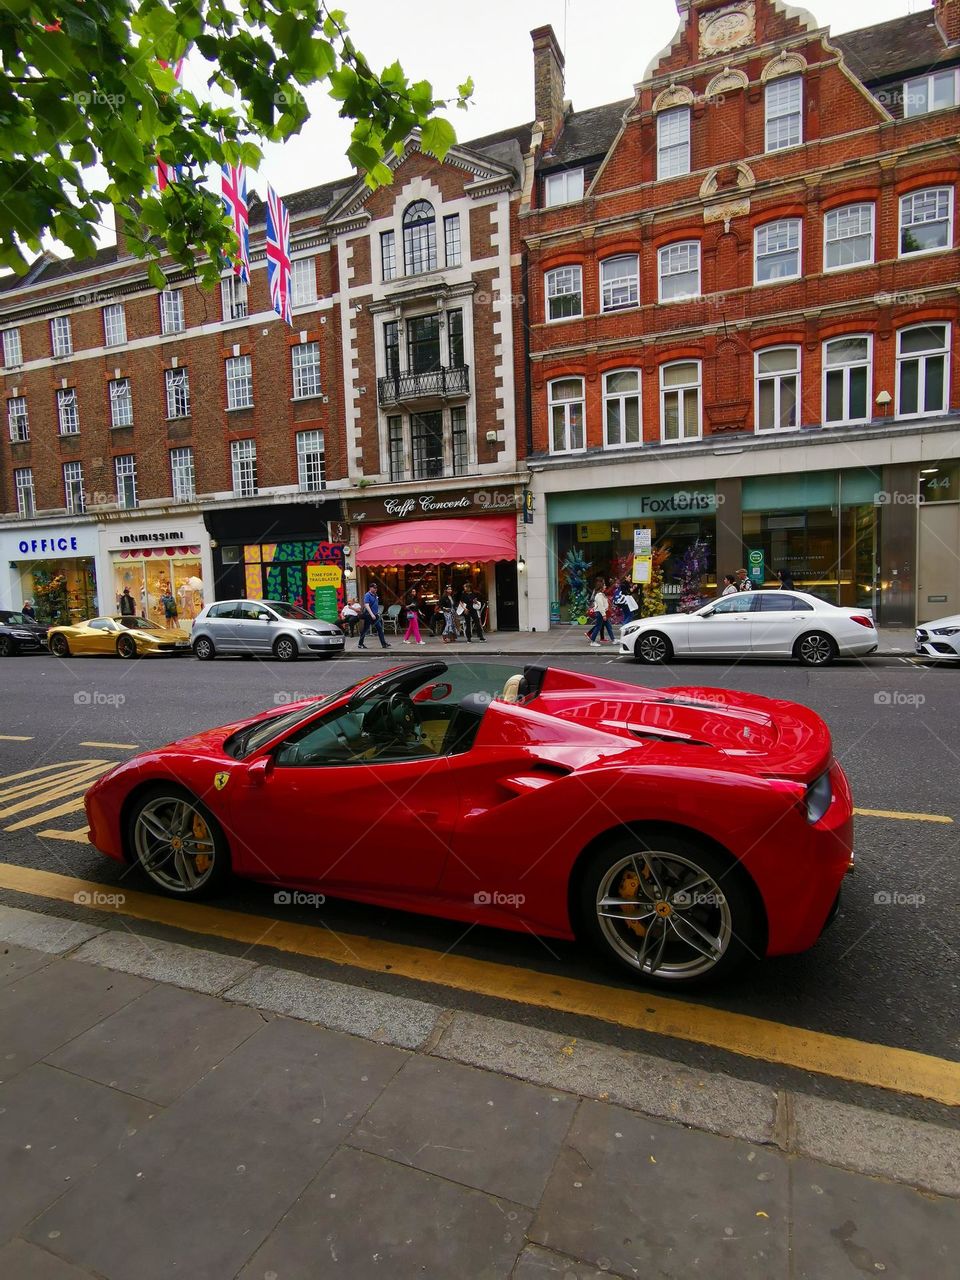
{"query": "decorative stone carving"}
[(784, 64), (729, 80), (746, 179), (675, 95), (726, 212), (732, 27)]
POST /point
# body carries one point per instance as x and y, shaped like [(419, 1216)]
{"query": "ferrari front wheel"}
[(673, 911), (178, 843), (59, 647), (127, 647)]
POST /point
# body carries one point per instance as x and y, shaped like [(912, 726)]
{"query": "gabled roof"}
[(893, 49), (586, 135)]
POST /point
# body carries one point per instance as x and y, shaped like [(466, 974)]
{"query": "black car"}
[(20, 635)]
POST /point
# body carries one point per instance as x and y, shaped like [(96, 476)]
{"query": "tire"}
[(650, 944), (7, 647), (204, 650), (652, 647), (199, 867), (126, 647), (285, 649), (815, 649), (59, 646)]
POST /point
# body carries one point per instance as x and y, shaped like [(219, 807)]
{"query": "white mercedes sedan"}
[(755, 624), (940, 639)]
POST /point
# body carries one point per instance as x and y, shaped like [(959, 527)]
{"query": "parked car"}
[(679, 831), (124, 636), (755, 624), (20, 635), (263, 626), (940, 639)]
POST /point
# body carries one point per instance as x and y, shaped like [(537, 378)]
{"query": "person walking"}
[(729, 584), (168, 603), (128, 606), (743, 581), (786, 580), (412, 606), (372, 619), (448, 607), (601, 615), (627, 602), (471, 614)]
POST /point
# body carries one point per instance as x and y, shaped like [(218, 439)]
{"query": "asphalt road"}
[(887, 972)]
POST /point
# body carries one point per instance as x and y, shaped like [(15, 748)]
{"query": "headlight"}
[(309, 631), (946, 631), (818, 797)]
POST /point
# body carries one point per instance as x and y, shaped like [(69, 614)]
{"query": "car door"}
[(99, 636), (778, 619), (253, 627), (724, 628)]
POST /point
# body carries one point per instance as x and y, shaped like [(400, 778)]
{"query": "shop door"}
[(938, 577), (508, 603)]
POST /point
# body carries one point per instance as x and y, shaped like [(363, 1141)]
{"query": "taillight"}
[(864, 621)]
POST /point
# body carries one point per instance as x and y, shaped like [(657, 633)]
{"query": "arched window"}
[(419, 238)]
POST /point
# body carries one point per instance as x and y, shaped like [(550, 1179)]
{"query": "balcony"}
[(435, 384)]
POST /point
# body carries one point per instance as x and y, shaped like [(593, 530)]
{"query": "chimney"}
[(548, 65), (948, 19)]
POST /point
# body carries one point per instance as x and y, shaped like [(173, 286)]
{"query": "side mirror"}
[(708, 613), (433, 692), (260, 770)]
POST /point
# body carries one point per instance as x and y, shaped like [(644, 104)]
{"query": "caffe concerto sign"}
[(420, 506)]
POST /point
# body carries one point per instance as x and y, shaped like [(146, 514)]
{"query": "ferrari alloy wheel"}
[(7, 647), (815, 649), (127, 647), (652, 646), (204, 649), (285, 649), (178, 843), (59, 646), (672, 911)]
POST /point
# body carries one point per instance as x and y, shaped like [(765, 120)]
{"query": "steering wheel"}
[(395, 719)]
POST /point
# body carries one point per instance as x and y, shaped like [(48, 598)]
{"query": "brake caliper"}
[(201, 834), (629, 887)]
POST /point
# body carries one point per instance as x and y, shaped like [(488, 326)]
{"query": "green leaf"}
[(437, 136)]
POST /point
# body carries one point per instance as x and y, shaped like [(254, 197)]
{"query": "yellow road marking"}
[(14, 737), (903, 817), (78, 837), (117, 746), (882, 1066)]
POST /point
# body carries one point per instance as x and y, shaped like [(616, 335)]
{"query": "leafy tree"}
[(653, 605), (88, 102)]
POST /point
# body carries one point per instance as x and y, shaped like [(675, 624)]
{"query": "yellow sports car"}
[(126, 637)]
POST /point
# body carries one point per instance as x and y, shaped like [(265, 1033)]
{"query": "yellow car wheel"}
[(59, 646), (127, 647)]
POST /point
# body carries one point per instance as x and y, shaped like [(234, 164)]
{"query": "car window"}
[(252, 612), (783, 602), (16, 618), (102, 624), (226, 610), (137, 624), (288, 610), (742, 603)]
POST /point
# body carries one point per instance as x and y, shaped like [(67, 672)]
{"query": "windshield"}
[(288, 610), (138, 624), (245, 742), (16, 618)]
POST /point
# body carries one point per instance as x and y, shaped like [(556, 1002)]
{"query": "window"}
[(926, 220), (391, 348), (126, 471), (673, 142), (239, 382), (562, 188), (564, 293), (303, 281), (114, 325), (451, 240), (680, 400), (781, 602), (922, 370), (784, 103), (679, 271), (427, 437), (388, 255), (778, 379), (848, 237), (306, 370), (621, 408), (419, 238), (73, 488), (311, 471), (458, 435), (423, 344), (565, 398), (18, 420), (395, 447), (455, 338), (233, 298), (23, 483), (121, 403), (61, 339), (178, 393), (171, 311), (931, 93), (243, 464), (182, 475), (777, 251), (12, 354), (620, 282), (742, 603), (846, 379), (67, 412)]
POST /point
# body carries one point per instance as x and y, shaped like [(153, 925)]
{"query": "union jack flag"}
[(167, 173), (279, 268), (233, 185)]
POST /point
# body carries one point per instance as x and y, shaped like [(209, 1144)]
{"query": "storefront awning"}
[(439, 541)]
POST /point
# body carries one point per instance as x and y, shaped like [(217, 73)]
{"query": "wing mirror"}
[(433, 692), (708, 613), (260, 770)]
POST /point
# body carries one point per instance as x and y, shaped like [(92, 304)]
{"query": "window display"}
[(167, 585), (63, 591)]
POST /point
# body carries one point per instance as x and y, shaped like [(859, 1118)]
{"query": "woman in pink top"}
[(412, 607)]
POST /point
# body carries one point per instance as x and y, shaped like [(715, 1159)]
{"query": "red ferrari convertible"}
[(679, 830)]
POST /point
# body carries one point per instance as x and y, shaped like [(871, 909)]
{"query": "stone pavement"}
[(211, 1129)]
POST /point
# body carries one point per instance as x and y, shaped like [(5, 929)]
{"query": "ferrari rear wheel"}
[(178, 843), (673, 911), (59, 646), (127, 647), (652, 646)]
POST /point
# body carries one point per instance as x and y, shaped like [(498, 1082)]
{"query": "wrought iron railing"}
[(435, 384)]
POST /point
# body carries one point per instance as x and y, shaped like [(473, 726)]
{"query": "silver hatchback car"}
[(265, 627)]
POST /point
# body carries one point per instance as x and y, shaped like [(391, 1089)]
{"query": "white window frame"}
[(670, 263), (621, 398), (171, 311), (306, 373), (61, 336), (846, 367), (12, 349), (841, 236), (673, 152), (452, 245), (176, 384), (910, 91), (234, 303), (565, 187), (239, 376), (19, 431), (772, 117), (388, 255), (182, 465), (23, 484), (310, 448), (243, 468), (681, 391), (910, 196), (762, 232), (570, 273), (121, 402), (75, 501), (776, 377), (68, 411), (627, 283), (125, 468), (114, 325), (303, 281), (922, 357), (567, 405)]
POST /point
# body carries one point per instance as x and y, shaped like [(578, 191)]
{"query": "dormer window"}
[(419, 238), (933, 92), (562, 188)]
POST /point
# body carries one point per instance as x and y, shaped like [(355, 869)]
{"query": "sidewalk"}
[(170, 1111)]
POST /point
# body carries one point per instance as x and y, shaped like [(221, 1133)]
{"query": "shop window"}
[(934, 92), (423, 344), (121, 403), (679, 271), (564, 293), (673, 142), (922, 370), (171, 311), (451, 240), (680, 401), (847, 379), (306, 370), (233, 298), (778, 378), (12, 354), (303, 281), (18, 420), (395, 448), (562, 188), (388, 255), (125, 467), (926, 221), (68, 412), (73, 488), (621, 408), (620, 282), (114, 325), (239, 382), (311, 470), (178, 393), (566, 406), (848, 237), (150, 579), (784, 113), (182, 475), (61, 339), (427, 438), (777, 251), (458, 434), (419, 238), (243, 465), (26, 501), (455, 338)]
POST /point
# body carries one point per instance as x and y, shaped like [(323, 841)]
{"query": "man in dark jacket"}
[(471, 617)]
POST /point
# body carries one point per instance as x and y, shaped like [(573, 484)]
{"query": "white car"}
[(755, 624), (940, 638)]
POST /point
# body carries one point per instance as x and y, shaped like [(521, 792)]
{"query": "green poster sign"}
[(755, 566)]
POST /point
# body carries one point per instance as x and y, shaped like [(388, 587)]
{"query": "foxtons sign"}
[(419, 506)]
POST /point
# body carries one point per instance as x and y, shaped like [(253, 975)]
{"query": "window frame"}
[(75, 506), (13, 333), (241, 452), (61, 325), (575, 270), (177, 491), (238, 372), (776, 376), (172, 314), (621, 397), (452, 246), (563, 179), (662, 276), (25, 510), (303, 270), (765, 227), (170, 384), (945, 353), (417, 233), (396, 448), (840, 240), (567, 404), (910, 195), (116, 399), (459, 440), (109, 312), (669, 115), (388, 255), (768, 119), (633, 283), (127, 473), (234, 298), (311, 457), (681, 390), (67, 400), (845, 368), (302, 371), (929, 77), (25, 415)]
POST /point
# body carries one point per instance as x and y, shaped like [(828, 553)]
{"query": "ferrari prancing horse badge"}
[(220, 780)]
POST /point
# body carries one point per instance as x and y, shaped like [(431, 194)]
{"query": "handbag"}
[(461, 609)]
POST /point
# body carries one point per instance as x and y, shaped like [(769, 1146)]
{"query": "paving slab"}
[(486, 1131), (366, 1217), (542, 1264), (159, 1045), (162, 961), (20, 1260), (51, 934), (642, 1197), (16, 962)]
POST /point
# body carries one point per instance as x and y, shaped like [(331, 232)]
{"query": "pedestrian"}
[(730, 587), (448, 607), (412, 605), (128, 606), (168, 603), (372, 618), (28, 612), (470, 602), (786, 580), (743, 582), (627, 602), (601, 615)]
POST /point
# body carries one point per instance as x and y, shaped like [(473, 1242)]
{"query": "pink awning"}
[(439, 541)]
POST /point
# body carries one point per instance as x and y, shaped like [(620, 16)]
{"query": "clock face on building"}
[(726, 29)]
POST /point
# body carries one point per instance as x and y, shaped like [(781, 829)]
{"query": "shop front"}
[(161, 565), (54, 565)]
